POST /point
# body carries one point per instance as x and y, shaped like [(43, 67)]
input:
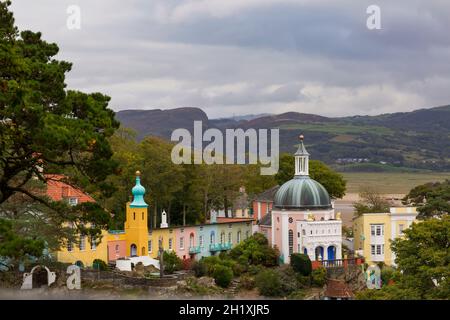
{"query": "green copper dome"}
[(138, 192), (302, 192)]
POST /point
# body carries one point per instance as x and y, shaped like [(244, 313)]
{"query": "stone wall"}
[(123, 279)]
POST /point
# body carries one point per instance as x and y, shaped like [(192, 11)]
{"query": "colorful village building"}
[(137, 243), (301, 218), (373, 233)]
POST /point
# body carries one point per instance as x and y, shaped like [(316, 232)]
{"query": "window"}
[(291, 242), (401, 227), (200, 241), (212, 238), (372, 249), (377, 229), (378, 249), (170, 243), (290, 220), (150, 249), (117, 249), (182, 243), (134, 215), (239, 237), (230, 237), (82, 243), (73, 201), (247, 234), (142, 216), (69, 246), (222, 237), (93, 244)]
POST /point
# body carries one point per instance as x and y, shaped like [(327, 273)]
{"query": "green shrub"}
[(171, 262), (304, 281), (246, 282), (268, 283), (301, 263), (387, 274), (319, 276), (200, 269), (278, 282), (297, 295), (223, 275), (99, 264), (255, 251), (254, 270)]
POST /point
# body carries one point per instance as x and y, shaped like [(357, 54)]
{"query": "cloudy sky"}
[(233, 57)]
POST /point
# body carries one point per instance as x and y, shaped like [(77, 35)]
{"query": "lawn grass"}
[(391, 182)]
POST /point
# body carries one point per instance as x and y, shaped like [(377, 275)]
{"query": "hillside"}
[(396, 142)]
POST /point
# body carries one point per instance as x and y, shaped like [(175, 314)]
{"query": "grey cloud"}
[(254, 56)]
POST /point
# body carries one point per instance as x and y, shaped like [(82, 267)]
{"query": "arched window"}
[(117, 249), (212, 239), (134, 215), (222, 237), (191, 240), (150, 246), (142, 216), (291, 242), (239, 237)]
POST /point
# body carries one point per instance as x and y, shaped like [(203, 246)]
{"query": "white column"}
[(285, 237), (338, 251), (325, 252), (259, 210)]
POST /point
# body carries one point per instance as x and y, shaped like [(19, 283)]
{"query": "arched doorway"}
[(319, 253), (133, 250), (305, 251), (331, 252)]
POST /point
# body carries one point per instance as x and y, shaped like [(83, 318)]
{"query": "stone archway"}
[(38, 277), (319, 252)]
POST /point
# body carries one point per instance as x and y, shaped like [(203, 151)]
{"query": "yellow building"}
[(85, 251), (373, 233)]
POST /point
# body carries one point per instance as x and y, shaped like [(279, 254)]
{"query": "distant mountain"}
[(159, 122), (419, 139)]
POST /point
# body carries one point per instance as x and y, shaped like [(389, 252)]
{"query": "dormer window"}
[(72, 201)]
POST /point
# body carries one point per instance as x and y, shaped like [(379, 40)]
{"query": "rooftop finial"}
[(138, 173), (301, 137)]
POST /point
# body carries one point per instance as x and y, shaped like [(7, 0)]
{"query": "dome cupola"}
[(138, 192), (302, 192)]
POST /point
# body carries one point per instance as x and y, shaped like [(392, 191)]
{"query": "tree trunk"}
[(184, 214), (155, 212)]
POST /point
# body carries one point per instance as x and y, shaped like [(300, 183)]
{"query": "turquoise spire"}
[(138, 192)]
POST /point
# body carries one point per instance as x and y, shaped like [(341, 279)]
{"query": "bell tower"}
[(301, 160), (136, 228)]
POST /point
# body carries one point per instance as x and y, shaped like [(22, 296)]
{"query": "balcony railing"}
[(194, 249), (220, 246), (338, 263)]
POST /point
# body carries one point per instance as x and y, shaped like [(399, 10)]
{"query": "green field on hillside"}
[(390, 182)]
